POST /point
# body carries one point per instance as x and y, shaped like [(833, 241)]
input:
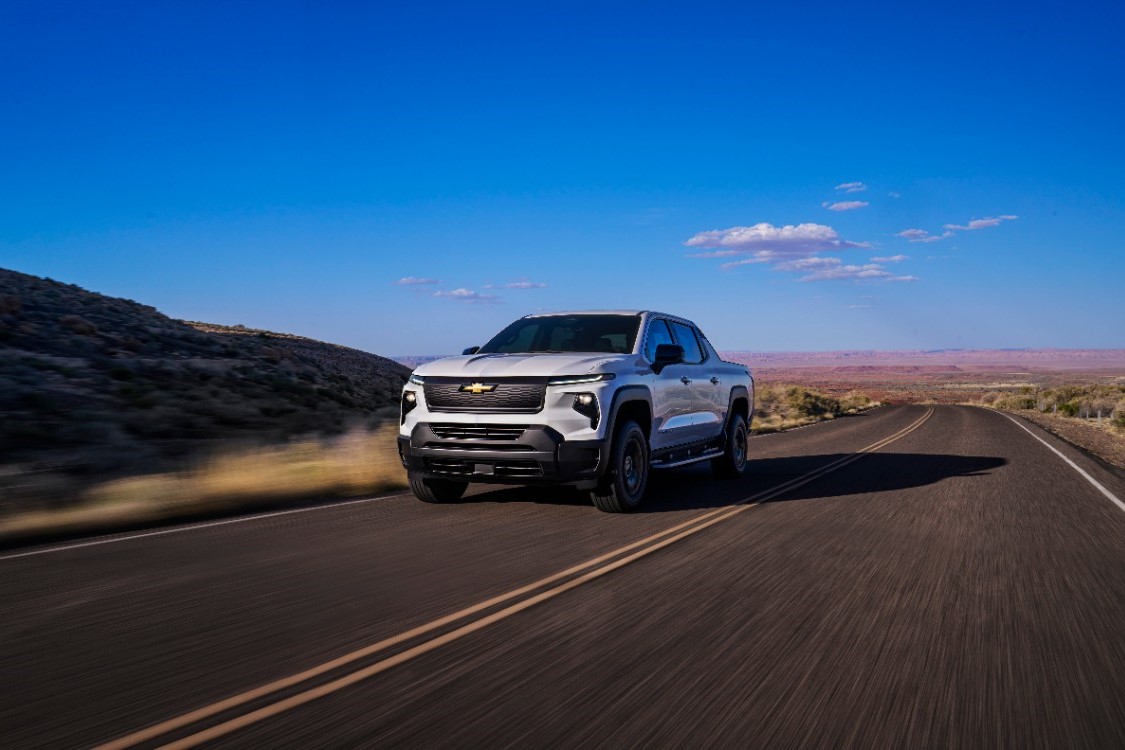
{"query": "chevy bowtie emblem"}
[(477, 388)]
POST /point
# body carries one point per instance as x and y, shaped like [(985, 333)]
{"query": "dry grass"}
[(781, 407), (356, 464)]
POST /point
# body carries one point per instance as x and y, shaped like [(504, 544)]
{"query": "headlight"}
[(416, 379), (409, 401), (586, 404), (580, 379)]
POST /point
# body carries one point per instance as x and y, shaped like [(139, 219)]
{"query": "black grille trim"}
[(480, 447), (463, 467), (478, 431)]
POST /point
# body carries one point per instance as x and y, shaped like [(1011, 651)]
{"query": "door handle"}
[(685, 380), (714, 381)]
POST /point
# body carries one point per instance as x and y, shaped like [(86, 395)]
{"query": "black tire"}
[(732, 464), (622, 488), (436, 490)]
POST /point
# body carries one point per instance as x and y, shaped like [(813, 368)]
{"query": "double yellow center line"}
[(558, 583)]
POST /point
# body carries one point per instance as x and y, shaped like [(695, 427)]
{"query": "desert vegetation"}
[(95, 389), (782, 406), (360, 462), (90, 384), (1100, 404)]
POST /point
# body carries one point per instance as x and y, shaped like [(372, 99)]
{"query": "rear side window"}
[(685, 337), (658, 333)]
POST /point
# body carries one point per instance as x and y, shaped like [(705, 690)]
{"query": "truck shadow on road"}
[(693, 487)]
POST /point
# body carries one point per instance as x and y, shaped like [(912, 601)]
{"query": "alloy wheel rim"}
[(630, 466)]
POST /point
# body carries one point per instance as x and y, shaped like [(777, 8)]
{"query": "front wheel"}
[(436, 490), (732, 463), (623, 486)]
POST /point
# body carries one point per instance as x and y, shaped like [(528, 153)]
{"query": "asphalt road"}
[(913, 577)]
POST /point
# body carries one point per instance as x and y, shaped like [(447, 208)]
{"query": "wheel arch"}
[(739, 403), (631, 402)]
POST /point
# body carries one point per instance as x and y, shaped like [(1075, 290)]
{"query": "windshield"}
[(611, 334)]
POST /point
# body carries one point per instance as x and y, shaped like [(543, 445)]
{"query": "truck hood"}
[(520, 365)]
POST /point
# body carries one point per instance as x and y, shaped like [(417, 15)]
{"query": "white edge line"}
[(194, 526), (1073, 465)]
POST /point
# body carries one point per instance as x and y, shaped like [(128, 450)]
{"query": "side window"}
[(685, 337), (658, 333), (708, 347)]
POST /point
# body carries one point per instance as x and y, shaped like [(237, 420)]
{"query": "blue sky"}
[(283, 165)]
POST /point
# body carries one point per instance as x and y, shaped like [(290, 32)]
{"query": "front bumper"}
[(538, 455)]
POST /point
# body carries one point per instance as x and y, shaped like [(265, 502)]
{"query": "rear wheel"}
[(436, 490), (732, 463), (623, 486)]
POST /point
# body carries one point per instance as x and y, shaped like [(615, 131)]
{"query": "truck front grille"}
[(506, 395)]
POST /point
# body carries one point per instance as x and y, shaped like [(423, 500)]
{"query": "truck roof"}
[(604, 312)]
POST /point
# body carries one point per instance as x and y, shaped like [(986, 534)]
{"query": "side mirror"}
[(667, 354), (471, 350)]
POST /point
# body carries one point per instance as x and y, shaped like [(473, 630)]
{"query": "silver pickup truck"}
[(590, 399)]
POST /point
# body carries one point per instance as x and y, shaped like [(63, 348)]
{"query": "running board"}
[(713, 453)]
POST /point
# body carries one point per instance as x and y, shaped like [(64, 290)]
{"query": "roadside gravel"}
[(1101, 441)]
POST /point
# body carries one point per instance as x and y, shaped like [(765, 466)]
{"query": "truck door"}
[(672, 397), (706, 410), (712, 395)]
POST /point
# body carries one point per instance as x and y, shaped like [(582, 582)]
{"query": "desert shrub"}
[(779, 407), (854, 401), (1082, 401), (120, 372), (1119, 415), (78, 325)]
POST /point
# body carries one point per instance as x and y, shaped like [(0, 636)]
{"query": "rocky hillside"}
[(91, 384)]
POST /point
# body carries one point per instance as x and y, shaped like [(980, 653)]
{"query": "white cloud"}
[(822, 268), (857, 307), (522, 284), (988, 221), (845, 205), (715, 254), (413, 281), (792, 248), (808, 264), (766, 242), (468, 295), (852, 187), (894, 194), (868, 272), (921, 235), (890, 259)]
